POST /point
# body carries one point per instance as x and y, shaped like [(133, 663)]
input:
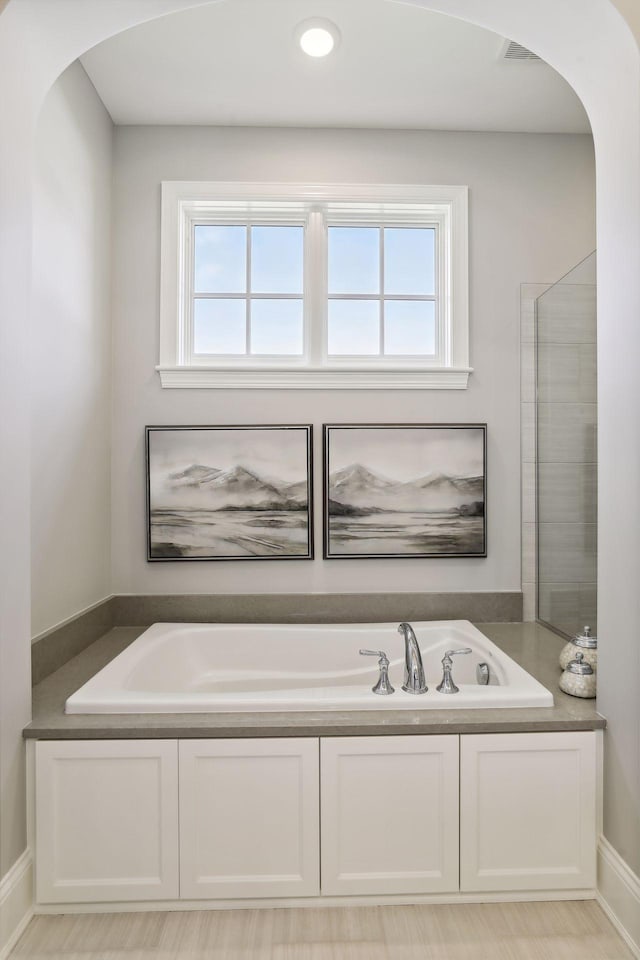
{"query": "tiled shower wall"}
[(559, 478), (529, 292)]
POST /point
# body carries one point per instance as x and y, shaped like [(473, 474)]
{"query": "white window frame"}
[(186, 203)]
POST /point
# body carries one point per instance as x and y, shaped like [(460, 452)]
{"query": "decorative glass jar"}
[(584, 643), (579, 678)]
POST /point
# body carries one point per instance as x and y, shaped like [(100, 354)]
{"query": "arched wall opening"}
[(606, 75)]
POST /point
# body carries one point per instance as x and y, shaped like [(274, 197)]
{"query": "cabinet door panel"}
[(389, 814), (106, 820), (249, 818), (528, 811)]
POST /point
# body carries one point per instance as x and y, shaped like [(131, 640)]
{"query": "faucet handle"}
[(454, 653), (383, 686), (447, 685)]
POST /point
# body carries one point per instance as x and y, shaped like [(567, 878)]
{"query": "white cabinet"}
[(249, 818), (528, 811), (106, 820), (389, 814), (136, 820)]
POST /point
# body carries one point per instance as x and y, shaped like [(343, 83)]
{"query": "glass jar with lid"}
[(579, 678), (584, 643)]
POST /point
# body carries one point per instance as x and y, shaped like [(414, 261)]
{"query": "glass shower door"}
[(566, 482)]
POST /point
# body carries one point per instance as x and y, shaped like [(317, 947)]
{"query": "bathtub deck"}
[(530, 645)]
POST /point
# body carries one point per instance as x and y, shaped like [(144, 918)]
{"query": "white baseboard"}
[(619, 894), (375, 900), (16, 902)]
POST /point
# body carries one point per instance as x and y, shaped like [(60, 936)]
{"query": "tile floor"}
[(502, 931)]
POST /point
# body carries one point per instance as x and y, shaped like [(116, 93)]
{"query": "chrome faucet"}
[(414, 681)]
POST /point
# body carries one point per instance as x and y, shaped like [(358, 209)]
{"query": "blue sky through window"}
[(409, 260), (277, 259), (220, 259), (219, 326), (354, 260), (409, 327), (276, 327), (354, 327)]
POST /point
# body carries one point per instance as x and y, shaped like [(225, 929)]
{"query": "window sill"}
[(217, 378)]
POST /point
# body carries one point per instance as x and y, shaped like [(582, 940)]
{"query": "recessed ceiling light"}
[(317, 36)]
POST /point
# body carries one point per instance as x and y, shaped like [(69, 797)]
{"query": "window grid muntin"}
[(382, 358), (381, 275), (247, 315), (247, 295)]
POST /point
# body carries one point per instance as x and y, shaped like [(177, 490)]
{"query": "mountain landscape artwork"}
[(229, 493), (413, 490)]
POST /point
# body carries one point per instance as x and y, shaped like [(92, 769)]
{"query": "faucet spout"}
[(414, 681)]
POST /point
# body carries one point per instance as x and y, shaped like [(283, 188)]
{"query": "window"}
[(313, 286), (248, 291), (381, 292)]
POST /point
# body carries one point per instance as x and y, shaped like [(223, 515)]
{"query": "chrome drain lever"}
[(482, 674)]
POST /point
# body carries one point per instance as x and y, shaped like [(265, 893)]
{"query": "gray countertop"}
[(532, 646)]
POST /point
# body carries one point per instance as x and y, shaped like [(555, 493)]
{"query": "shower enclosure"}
[(566, 482)]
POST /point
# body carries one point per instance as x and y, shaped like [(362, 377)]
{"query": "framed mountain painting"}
[(229, 493), (405, 490)]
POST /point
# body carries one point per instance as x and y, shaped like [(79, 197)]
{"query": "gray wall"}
[(71, 354), (531, 217)]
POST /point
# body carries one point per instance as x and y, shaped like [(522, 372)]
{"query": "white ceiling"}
[(235, 62)]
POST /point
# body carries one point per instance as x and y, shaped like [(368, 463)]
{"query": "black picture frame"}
[(383, 511), (215, 507)]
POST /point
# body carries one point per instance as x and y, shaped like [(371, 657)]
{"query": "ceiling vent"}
[(515, 51)]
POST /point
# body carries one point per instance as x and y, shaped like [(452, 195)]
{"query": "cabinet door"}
[(106, 820), (249, 818), (528, 811), (389, 814)]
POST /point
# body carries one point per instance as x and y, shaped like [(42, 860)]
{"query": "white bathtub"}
[(197, 668)]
